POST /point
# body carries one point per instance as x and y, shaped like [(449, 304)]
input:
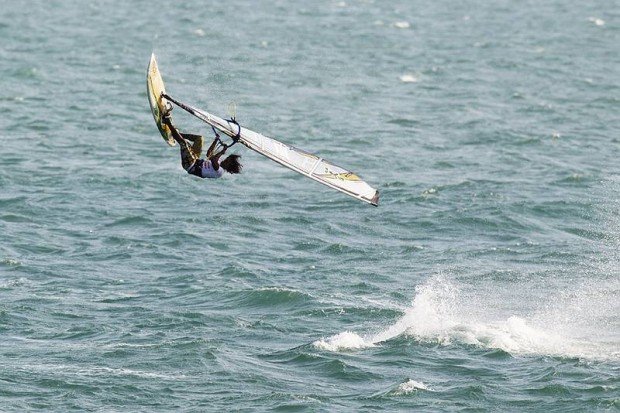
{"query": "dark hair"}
[(231, 164)]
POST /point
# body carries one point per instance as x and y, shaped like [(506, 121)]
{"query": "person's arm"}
[(175, 133), (212, 148), (215, 160)]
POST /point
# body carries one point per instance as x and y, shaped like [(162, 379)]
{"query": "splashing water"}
[(440, 314), (410, 386), (343, 341)]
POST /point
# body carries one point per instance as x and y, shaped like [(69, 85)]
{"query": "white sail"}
[(299, 161)]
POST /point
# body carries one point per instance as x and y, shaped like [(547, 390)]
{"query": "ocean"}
[(487, 280)]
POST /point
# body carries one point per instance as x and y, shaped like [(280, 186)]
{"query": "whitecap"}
[(343, 341), (439, 314), (402, 25), (11, 262), (408, 78), (410, 386), (597, 21), (99, 371)]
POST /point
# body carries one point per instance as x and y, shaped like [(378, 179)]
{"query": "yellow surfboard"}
[(154, 89)]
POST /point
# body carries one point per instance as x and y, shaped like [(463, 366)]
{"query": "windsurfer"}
[(211, 167)]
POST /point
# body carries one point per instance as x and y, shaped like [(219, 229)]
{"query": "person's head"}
[(231, 164)]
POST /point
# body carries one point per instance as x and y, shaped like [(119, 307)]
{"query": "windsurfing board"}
[(155, 89)]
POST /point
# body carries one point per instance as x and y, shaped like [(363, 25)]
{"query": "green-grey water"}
[(487, 279)]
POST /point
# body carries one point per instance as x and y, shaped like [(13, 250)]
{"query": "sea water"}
[(486, 280)]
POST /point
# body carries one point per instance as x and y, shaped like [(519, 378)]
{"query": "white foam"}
[(10, 261), (410, 386), (440, 314), (408, 78), (514, 335), (128, 372), (597, 21), (12, 283), (343, 341), (199, 32), (98, 371), (402, 25)]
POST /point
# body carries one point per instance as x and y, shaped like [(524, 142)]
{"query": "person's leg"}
[(173, 131), (187, 155), (197, 146), (197, 140)]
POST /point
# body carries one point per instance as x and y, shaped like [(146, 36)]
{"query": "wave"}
[(270, 297), (440, 314), (409, 386), (409, 78), (401, 25), (57, 369), (130, 221), (343, 341), (597, 21), (10, 262)]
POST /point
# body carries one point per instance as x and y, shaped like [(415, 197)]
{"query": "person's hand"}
[(219, 142)]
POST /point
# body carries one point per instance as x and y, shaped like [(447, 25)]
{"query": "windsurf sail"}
[(305, 163)]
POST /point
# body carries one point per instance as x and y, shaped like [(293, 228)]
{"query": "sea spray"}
[(440, 314), (432, 311), (343, 341)]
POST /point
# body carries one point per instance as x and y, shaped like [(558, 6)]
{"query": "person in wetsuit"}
[(211, 167)]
